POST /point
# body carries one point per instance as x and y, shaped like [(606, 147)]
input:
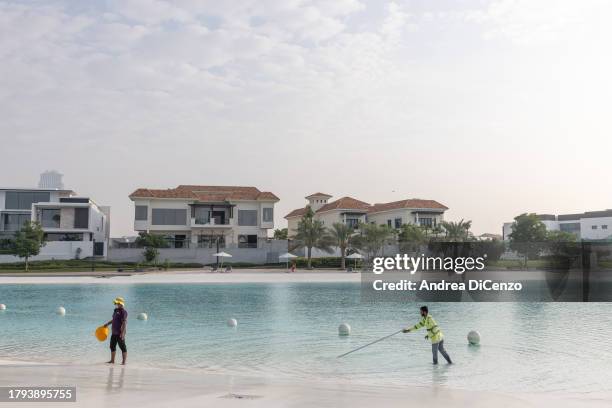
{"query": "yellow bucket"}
[(101, 333)]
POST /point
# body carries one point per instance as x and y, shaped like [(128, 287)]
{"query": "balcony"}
[(216, 222)]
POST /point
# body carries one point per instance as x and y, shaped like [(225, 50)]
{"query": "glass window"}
[(398, 223), (604, 227), (247, 241), (247, 217), (23, 200), (142, 213), (50, 217), (14, 222), (55, 236), (352, 223), (81, 218), (594, 227), (268, 214), (388, 223), (426, 222), (169, 216)]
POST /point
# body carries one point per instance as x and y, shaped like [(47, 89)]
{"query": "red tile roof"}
[(345, 203), (349, 203), (206, 193), (318, 195), (297, 212), (410, 203)]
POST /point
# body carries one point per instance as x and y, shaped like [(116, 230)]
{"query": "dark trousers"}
[(115, 339), (434, 351)]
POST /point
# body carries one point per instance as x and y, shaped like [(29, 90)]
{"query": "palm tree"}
[(281, 234), (341, 237), (411, 237), (372, 238), (457, 231), (310, 234)]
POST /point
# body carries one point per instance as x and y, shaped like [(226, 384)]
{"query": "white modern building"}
[(74, 227), (205, 216), (588, 226), (350, 211)]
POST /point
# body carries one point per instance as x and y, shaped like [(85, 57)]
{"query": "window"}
[(389, 223), (50, 218), (398, 223), (23, 200), (572, 227), (268, 214), (57, 236), (604, 227), (352, 223), (169, 216), (426, 222), (81, 218), (247, 218), (141, 213), (594, 227), (14, 222), (247, 241), (210, 241)]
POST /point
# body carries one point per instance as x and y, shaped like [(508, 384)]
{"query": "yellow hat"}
[(119, 301)]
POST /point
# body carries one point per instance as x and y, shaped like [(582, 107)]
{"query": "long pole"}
[(369, 344)]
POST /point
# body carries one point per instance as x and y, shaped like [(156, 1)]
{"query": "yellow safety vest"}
[(433, 331)]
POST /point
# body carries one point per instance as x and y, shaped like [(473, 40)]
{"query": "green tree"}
[(341, 237), (151, 242), (411, 237), (150, 254), (28, 241), (528, 236), (310, 234), (457, 231), (147, 240), (281, 233), (372, 238), (562, 243)]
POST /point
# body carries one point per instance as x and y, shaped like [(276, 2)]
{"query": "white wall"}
[(587, 231), (56, 250)]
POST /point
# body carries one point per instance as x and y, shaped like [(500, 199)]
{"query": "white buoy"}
[(232, 322), (142, 316), (60, 311), (473, 337), (2, 306), (344, 329)]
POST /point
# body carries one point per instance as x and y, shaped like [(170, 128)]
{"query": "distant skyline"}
[(492, 108)]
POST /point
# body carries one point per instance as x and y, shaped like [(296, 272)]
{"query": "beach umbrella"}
[(287, 256), (222, 255), (355, 256)]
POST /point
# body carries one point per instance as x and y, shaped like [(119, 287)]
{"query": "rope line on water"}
[(369, 344)]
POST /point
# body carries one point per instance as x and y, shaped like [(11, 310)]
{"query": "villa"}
[(590, 226), (74, 226), (205, 216), (352, 212)]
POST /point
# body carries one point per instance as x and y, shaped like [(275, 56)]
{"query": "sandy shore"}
[(116, 386), (204, 276)]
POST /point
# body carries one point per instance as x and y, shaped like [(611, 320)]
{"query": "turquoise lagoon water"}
[(289, 330)]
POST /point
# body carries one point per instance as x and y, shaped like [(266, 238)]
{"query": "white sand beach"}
[(101, 385), (191, 276)]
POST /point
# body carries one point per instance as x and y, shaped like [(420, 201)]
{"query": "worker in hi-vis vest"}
[(433, 333)]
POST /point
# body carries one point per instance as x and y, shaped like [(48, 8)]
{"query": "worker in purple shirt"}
[(119, 326)]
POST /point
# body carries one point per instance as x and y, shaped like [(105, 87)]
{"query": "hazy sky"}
[(492, 108)]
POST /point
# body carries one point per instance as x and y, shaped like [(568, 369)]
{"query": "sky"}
[(492, 108)]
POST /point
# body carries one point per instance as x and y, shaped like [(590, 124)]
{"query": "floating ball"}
[(101, 333), (232, 322), (344, 329), (2, 306), (60, 311), (473, 337), (142, 316)]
